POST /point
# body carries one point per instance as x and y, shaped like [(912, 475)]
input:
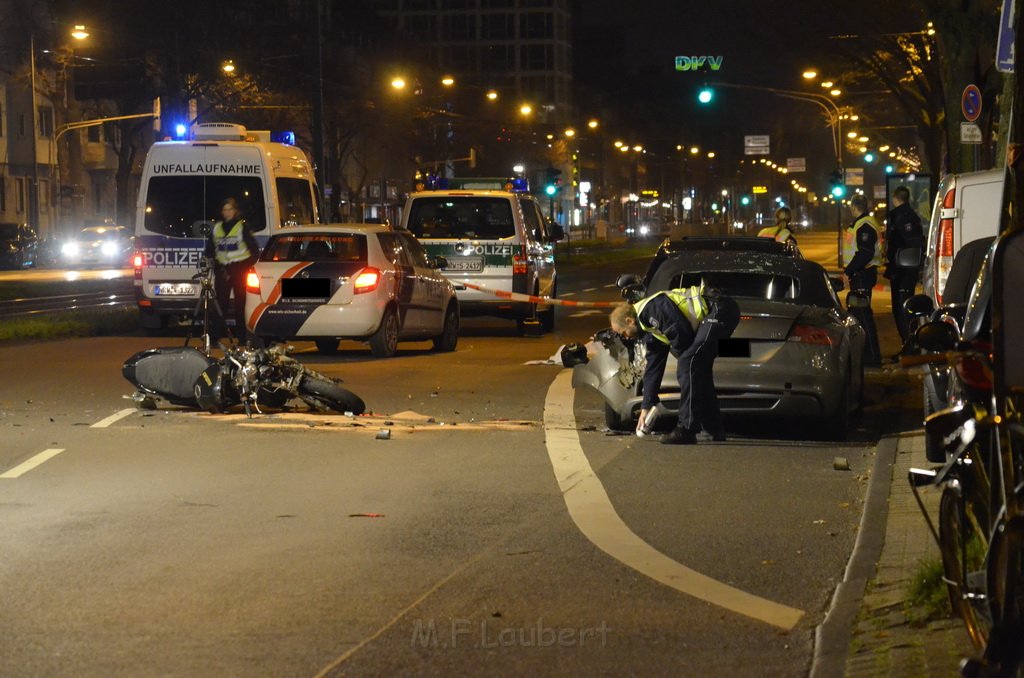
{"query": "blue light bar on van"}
[(283, 138), (180, 131), (520, 185)]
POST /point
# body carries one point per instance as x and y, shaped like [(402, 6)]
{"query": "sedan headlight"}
[(109, 249), (70, 249)]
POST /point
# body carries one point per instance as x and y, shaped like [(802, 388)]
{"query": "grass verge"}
[(82, 323), (927, 596)]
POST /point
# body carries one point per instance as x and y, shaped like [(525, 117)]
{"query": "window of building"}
[(458, 27), (536, 25), (536, 58), (45, 122), (3, 194), (19, 195), (498, 58), (44, 196), (497, 26), (94, 134), (421, 26), (21, 125)]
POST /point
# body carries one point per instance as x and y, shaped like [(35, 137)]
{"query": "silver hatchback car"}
[(795, 353)]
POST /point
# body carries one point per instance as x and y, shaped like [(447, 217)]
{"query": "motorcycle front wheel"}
[(326, 394)]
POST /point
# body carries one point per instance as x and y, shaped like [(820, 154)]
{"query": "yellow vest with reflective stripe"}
[(780, 233), (689, 300), (231, 248), (850, 240)]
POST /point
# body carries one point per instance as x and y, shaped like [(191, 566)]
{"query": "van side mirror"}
[(919, 305), (555, 232), (937, 336), (627, 279), (438, 262)]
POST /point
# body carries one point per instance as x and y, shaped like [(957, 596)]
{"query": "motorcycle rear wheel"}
[(327, 394)]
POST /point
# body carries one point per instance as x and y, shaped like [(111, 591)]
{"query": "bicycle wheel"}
[(962, 546), (324, 394)]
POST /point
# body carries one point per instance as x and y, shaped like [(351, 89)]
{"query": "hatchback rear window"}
[(478, 218), (339, 247), (767, 286)]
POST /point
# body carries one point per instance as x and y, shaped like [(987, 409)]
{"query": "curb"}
[(832, 637)]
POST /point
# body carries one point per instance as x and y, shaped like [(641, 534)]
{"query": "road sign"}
[(1004, 45), (756, 140), (796, 164), (878, 191), (853, 176), (755, 150), (970, 103), (757, 190), (970, 133)]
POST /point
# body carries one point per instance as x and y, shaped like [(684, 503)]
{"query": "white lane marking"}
[(568, 294), (610, 285), (590, 289), (593, 513), (26, 466), (117, 416), (583, 314)]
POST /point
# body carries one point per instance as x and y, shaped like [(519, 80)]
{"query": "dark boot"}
[(679, 436)]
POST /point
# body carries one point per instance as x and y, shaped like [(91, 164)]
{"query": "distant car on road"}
[(351, 281), (106, 245), (18, 245), (797, 353)]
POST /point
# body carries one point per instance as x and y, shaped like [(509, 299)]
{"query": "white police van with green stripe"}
[(494, 236), (183, 184)]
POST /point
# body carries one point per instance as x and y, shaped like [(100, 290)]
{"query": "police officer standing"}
[(904, 245), (863, 255), (780, 231), (687, 324), (235, 251)]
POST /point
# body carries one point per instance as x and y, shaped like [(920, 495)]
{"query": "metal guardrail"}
[(13, 308)]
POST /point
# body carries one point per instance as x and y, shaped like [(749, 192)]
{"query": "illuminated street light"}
[(525, 109), (79, 33), (492, 95), (518, 169), (694, 150), (862, 139), (398, 83), (447, 81), (624, 148), (711, 154), (618, 143), (592, 124), (883, 149), (570, 132), (851, 135), (827, 84), (228, 66), (638, 148), (810, 74), (835, 92)]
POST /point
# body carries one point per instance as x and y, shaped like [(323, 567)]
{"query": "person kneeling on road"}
[(688, 323)]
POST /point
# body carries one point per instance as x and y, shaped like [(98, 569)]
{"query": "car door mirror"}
[(919, 305), (438, 262), (627, 279), (837, 283), (937, 336), (555, 232)]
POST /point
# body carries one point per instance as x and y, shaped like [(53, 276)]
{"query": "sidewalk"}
[(884, 642)]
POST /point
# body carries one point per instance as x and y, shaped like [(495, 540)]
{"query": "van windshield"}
[(478, 218), (177, 206)]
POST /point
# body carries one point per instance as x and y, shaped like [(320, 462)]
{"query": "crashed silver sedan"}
[(796, 352)]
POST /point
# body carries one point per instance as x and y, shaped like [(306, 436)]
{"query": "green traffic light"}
[(869, 157), (550, 189), (706, 95), (889, 169), (838, 191), (745, 200)]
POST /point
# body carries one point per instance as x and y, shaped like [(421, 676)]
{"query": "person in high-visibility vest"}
[(235, 250), (862, 254), (688, 324), (781, 231)]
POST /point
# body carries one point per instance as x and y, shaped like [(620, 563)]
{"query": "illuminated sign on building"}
[(696, 63)]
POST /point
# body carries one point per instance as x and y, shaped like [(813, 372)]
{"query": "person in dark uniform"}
[(904, 235), (235, 251), (688, 324), (862, 254)]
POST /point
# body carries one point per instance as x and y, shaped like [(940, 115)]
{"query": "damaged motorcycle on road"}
[(247, 376)]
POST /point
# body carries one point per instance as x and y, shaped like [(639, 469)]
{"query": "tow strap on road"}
[(529, 298)]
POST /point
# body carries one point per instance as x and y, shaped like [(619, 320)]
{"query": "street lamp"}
[(79, 33)]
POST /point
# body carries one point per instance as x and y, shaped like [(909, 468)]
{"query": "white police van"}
[(183, 185), (493, 235)]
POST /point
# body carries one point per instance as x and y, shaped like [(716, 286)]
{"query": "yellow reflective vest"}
[(850, 240), (780, 233), (231, 248), (689, 300)]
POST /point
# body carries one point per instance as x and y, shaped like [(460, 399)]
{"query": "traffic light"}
[(869, 157), (835, 181), (889, 169), (705, 95), (745, 200), (552, 181)]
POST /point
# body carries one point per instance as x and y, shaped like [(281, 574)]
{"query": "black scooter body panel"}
[(169, 373)]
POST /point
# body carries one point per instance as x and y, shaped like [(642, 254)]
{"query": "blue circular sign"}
[(970, 103)]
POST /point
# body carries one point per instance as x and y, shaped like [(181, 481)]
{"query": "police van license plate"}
[(174, 289), (465, 264)]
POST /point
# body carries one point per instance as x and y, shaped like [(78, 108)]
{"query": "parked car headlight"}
[(109, 248), (70, 249)]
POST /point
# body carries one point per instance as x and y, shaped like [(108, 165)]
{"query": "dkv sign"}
[(696, 63)]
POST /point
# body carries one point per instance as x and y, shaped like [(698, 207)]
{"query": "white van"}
[(183, 184), (968, 207)]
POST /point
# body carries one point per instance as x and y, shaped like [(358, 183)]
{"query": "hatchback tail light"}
[(809, 334), (252, 282), (367, 280)]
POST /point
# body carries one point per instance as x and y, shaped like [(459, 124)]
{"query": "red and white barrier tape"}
[(530, 299)]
